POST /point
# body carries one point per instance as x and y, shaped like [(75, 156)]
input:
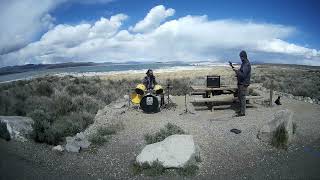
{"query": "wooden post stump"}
[(271, 93)]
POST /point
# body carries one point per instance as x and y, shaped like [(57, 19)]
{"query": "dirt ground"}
[(224, 155)]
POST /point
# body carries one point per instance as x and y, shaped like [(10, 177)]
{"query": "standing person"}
[(149, 81), (243, 77)]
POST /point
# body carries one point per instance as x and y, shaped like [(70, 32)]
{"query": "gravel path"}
[(224, 155)]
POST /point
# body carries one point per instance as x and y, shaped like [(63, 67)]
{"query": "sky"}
[(57, 31)]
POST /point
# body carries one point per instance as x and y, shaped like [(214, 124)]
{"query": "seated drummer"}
[(150, 80)]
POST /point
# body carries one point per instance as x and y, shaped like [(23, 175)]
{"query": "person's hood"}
[(245, 61)]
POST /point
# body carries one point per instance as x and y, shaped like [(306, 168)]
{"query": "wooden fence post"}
[(271, 93)]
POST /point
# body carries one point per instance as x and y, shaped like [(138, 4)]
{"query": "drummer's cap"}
[(149, 70)]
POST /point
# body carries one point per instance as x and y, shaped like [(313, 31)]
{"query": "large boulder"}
[(18, 127), (281, 118), (79, 141), (175, 151)]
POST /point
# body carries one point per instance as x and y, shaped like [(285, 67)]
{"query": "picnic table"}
[(215, 96)]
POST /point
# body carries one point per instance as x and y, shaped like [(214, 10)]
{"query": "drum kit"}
[(149, 100)]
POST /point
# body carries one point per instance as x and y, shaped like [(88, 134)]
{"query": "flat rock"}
[(79, 141), (18, 127), (71, 147), (175, 151)]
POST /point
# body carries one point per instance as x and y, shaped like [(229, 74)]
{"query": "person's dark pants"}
[(242, 92)]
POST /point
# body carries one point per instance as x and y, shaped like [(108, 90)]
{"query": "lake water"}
[(103, 70)]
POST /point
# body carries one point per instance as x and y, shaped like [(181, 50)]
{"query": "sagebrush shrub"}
[(41, 125), (44, 88), (4, 133), (168, 130), (74, 89), (86, 103), (39, 103), (62, 103), (5, 103), (97, 139), (280, 137)]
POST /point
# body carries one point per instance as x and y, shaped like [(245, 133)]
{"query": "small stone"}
[(80, 136), (126, 97), (58, 148)]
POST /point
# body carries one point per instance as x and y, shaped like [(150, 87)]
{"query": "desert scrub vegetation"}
[(157, 169), (104, 134), (280, 138), (59, 106), (4, 133), (64, 106), (98, 139), (294, 127), (168, 130), (188, 170), (292, 79), (111, 129), (179, 86)]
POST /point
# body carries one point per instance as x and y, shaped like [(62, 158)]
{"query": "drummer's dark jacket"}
[(149, 82), (244, 73)]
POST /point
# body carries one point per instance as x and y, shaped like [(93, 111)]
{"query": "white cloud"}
[(66, 41), (153, 19), (106, 28), (280, 46), (70, 36), (21, 21), (185, 38)]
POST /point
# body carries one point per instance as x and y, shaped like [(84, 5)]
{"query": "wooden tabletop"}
[(204, 88), (221, 88)]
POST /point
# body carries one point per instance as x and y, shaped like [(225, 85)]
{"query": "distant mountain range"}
[(36, 67)]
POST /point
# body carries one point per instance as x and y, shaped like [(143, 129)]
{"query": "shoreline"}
[(169, 71)]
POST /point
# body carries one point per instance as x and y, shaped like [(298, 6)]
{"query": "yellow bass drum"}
[(136, 98)]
